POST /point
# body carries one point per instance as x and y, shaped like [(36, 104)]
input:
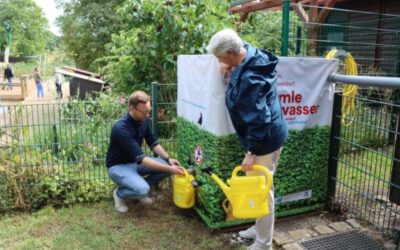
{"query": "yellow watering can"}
[(246, 194), (183, 193)]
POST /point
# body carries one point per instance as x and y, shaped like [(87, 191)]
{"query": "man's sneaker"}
[(250, 233), (120, 204), (146, 200)]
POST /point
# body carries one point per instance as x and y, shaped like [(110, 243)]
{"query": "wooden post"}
[(24, 89), (21, 82)]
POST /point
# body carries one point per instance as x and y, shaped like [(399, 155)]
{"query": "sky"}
[(51, 12)]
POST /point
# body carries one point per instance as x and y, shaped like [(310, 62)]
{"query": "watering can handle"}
[(186, 174), (259, 168), (225, 205)]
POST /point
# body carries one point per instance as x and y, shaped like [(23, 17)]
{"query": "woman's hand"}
[(225, 70), (248, 162)]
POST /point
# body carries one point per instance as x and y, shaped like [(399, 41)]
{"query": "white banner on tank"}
[(305, 95), (201, 94)]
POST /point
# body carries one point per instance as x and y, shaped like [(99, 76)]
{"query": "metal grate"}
[(351, 240)]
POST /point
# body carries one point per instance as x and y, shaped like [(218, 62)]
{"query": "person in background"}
[(254, 108), (38, 82), (128, 166), (8, 74), (58, 82)]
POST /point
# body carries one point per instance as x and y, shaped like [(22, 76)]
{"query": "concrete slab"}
[(292, 246), (322, 229), (340, 226), (353, 223), (301, 234), (282, 238)]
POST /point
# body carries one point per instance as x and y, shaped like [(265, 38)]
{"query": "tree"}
[(87, 26), (29, 27), (155, 33), (53, 42)]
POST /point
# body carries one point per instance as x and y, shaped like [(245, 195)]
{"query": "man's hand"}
[(174, 169), (173, 161), (248, 162)]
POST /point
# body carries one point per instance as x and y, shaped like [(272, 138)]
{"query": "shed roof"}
[(80, 73)]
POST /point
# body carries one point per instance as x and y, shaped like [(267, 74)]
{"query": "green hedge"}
[(302, 166)]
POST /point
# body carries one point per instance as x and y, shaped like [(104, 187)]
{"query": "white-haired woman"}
[(255, 111)]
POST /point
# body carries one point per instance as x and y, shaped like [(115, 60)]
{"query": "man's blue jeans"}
[(134, 180)]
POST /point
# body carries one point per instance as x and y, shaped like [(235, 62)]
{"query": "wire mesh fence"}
[(366, 152), (52, 153), (165, 112), (365, 160)]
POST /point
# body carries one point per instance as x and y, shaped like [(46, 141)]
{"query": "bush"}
[(155, 33)]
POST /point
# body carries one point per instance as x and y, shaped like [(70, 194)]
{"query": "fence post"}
[(395, 100), (298, 40), (394, 192), (285, 27), (154, 98), (334, 148), (55, 140)]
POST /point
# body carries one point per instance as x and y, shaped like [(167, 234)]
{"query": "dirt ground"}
[(49, 90)]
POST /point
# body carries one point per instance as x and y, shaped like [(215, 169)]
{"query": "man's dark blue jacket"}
[(253, 103), (126, 141)]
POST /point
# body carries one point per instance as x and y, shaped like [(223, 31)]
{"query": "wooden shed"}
[(82, 82)]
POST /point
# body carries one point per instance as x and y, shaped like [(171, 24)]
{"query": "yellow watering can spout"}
[(225, 188)]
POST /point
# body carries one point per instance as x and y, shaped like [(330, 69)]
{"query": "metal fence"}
[(164, 100), (54, 150), (364, 160), (364, 156)]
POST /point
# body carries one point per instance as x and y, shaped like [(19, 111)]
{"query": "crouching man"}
[(128, 167)]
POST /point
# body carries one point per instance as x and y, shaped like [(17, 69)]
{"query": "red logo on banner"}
[(198, 154)]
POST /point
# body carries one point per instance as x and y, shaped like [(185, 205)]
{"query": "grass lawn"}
[(99, 226), (366, 168)]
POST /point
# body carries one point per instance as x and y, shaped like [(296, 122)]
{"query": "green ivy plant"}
[(295, 173)]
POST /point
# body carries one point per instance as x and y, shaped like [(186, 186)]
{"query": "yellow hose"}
[(349, 91)]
